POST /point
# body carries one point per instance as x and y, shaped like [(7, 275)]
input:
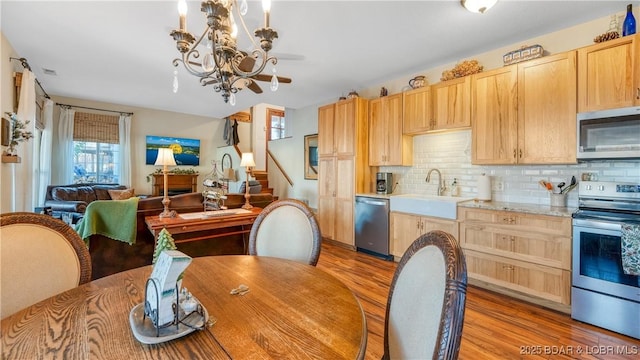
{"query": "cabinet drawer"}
[(540, 248), (538, 280), (530, 223)]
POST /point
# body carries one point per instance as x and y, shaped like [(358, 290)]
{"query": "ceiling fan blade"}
[(253, 86), (247, 63), (264, 77)]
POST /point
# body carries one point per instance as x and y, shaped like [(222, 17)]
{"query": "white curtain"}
[(64, 153), (45, 150), (125, 149), (24, 189)]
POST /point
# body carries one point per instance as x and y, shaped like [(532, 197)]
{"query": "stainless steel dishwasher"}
[(372, 226)]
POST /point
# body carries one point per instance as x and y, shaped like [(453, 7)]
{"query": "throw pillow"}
[(121, 194)]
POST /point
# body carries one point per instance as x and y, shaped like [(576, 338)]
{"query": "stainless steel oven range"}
[(601, 293)]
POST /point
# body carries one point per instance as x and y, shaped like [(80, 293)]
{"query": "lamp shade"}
[(478, 6), (247, 160), (165, 157)]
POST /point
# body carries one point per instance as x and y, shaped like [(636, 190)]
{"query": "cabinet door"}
[(345, 127), (451, 106), (399, 146), (405, 229), (417, 111), (494, 112), (537, 280), (377, 134), (326, 116), (344, 205), (608, 74), (547, 110), (326, 196)]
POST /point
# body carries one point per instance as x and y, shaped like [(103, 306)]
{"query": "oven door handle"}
[(598, 224)]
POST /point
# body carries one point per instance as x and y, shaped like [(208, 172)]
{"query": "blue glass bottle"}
[(629, 24)]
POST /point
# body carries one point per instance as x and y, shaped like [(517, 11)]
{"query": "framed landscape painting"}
[(185, 151)]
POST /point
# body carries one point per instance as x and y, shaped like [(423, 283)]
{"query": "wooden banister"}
[(284, 173)]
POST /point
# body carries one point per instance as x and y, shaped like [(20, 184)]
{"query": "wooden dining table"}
[(292, 310)]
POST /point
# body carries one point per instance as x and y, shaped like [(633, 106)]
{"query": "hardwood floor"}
[(495, 326)]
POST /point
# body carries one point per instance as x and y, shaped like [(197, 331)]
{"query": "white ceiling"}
[(120, 51)]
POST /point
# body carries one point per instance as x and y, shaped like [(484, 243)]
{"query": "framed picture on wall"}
[(185, 151), (6, 132)]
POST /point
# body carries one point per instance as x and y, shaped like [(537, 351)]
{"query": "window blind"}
[(96, 128)]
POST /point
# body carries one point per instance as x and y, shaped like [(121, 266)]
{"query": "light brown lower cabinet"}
[(406, 228), (526, 255)]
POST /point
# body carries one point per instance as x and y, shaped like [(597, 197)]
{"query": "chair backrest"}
[(425, 308), (286, 229), (41, 257)]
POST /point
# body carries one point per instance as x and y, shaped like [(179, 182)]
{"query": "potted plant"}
[(18, 133)]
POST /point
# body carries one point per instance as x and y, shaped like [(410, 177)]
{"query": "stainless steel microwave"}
[(609, 134)]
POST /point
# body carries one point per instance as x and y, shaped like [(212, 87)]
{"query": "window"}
[(95, 148), (277, 124)]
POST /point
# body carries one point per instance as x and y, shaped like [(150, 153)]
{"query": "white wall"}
[(290, 153), (8, 181)]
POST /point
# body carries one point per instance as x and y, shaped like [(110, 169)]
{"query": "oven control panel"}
[(607, 189)]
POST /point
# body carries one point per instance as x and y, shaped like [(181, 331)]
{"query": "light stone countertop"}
[(519, 207), (500, 206)]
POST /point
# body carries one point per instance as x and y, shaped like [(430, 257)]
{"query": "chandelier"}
[(214, 56)]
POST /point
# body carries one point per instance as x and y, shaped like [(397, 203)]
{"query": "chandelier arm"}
[(244, 26), (194, 53)]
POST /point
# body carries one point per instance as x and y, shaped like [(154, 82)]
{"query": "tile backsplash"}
[(451, 154)]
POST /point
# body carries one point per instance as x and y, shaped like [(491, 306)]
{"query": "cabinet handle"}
[(507, 267), (514, 154), (638, 93), (509, 220), (418, 224), (520, 153)]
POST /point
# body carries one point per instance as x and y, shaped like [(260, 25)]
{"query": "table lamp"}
[(166, 159), (247, 162)]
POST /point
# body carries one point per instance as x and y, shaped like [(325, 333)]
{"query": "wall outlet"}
[(498, 186)]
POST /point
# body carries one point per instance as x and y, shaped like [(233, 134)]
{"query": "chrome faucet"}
[(441, 187)]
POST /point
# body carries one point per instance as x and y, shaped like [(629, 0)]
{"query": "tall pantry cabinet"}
[(343, 149)]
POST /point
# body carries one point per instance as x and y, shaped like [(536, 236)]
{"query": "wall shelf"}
[(11, 159)]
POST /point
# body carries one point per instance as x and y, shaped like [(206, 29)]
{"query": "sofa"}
[(72, 200), (110, 256)]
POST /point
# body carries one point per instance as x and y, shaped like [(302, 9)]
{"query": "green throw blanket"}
[(115, 219)]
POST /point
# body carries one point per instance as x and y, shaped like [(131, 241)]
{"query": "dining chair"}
[(286, 229), (425, 308), (41, 256)]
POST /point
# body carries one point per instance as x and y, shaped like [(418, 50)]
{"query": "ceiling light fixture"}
[(214, 56), (478, 6)]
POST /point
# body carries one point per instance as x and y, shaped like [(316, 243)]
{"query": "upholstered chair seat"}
[(286, 229), (425, 308), (41, 257)]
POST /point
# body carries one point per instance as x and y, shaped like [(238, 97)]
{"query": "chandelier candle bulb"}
[(182, 11)]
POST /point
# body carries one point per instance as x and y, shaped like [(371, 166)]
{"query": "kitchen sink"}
[(429, 205)]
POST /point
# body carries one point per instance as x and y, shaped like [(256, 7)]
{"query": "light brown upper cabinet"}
[(337, 128), (547, 98), (388, 146), (451, 104), (494, 108), (526, 113), (609, 74), (417, 117)]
